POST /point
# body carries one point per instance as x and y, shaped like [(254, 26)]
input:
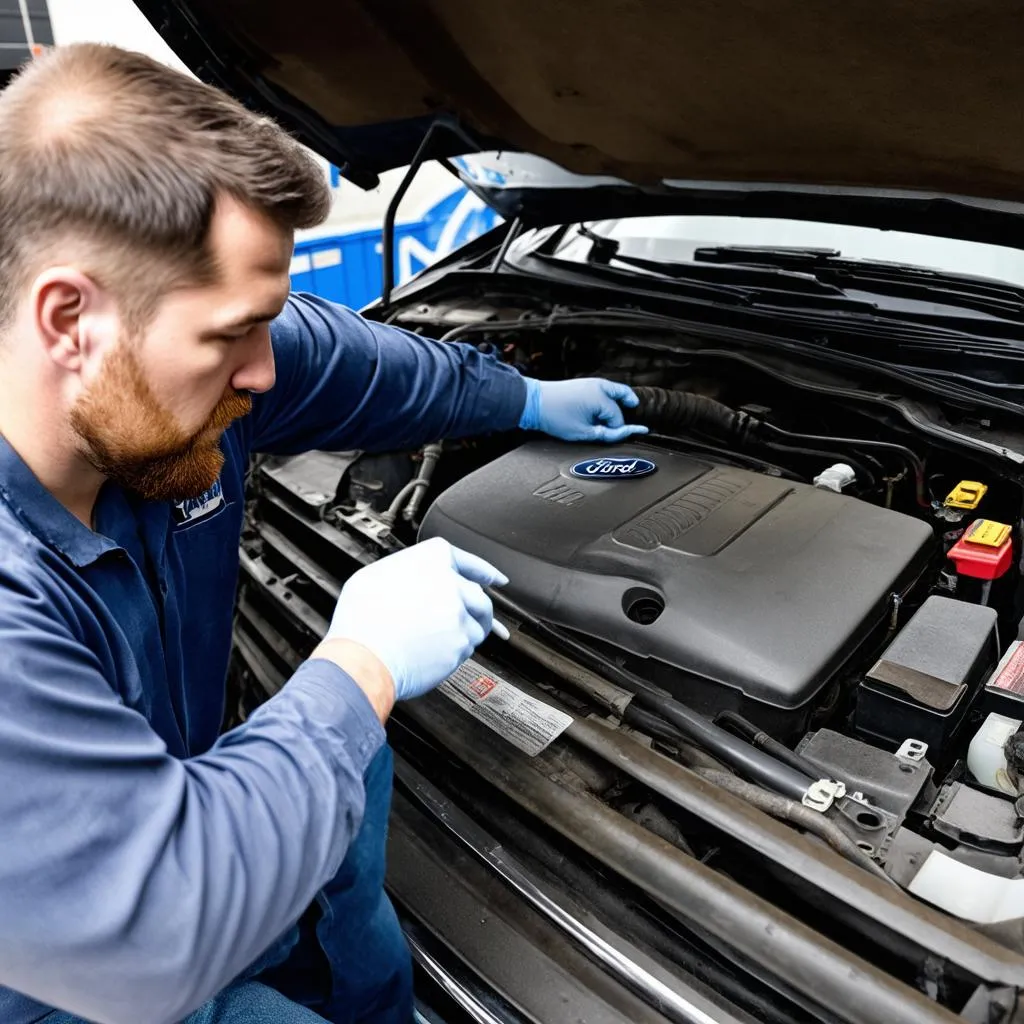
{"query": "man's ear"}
[(73, 317)]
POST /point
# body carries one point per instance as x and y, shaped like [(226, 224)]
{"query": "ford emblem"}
[(617, 467)]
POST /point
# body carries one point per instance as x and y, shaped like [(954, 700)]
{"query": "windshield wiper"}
[(728, 285), (743, 286), (847, 289), (810, 280), (829, 267), (836, 318), (802, 294)]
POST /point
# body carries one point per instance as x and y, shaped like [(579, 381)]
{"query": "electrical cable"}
[(759, 738)]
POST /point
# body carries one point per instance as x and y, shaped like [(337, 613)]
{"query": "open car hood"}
[(829, 100)]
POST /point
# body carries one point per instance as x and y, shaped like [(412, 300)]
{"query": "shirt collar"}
[(44, 515)]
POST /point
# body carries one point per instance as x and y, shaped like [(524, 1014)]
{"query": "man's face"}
[(152, 418)]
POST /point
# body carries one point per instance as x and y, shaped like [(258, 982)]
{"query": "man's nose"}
[(257, 372)]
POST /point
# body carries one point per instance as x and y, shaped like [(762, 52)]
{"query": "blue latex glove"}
[(587, 409), (421, 611)]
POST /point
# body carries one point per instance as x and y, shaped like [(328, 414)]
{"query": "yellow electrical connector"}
[(967, 495)]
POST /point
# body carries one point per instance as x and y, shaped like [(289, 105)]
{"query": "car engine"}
[(734, 590)]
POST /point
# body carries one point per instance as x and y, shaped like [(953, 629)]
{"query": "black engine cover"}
[(753, 589)]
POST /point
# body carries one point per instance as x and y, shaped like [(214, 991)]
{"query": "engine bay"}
[(799, 571), (716, 582), (801, 587), (768, 606)]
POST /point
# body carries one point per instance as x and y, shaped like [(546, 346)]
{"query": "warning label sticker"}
[(1009, 674), (525, 722)]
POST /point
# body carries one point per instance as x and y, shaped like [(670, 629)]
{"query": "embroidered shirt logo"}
[(191, 510)]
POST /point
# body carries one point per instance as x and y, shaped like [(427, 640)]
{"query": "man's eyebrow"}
[(247, 321)]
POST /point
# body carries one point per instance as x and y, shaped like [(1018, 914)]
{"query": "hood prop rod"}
[(422, 156)]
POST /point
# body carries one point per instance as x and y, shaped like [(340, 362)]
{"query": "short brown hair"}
[(110, 156)]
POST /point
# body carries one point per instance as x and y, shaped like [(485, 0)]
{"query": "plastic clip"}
[(821, 795)]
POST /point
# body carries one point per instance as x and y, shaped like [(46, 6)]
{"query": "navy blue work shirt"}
[(145, 862)]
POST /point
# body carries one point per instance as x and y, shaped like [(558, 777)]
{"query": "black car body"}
[(751, 754)]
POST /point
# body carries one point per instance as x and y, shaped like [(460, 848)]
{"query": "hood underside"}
[(878, 94)]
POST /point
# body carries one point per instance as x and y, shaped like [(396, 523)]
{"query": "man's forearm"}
[(348, 383)]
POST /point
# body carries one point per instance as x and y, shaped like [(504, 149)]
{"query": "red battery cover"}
[(985, 551)]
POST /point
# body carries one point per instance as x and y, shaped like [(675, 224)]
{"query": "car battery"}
[(982, 555), (925, 682)]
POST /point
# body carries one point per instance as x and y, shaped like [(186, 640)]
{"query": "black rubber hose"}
[(910, 457), (759, 738), (670, 410), (682, 410), (755, 764), (650, 724)]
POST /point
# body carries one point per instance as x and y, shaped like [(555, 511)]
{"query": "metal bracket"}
[(912, 751), (821, 795), (897, 604), (366, 523)]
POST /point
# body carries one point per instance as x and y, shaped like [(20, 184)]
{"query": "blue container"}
[(348, 268)]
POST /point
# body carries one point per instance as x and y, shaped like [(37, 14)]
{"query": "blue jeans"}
[(238, 1004), (346, 962)]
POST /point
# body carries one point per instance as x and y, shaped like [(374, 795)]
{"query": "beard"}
[(126, 434)]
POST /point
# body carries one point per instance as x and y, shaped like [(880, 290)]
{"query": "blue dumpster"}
[(348, 268)]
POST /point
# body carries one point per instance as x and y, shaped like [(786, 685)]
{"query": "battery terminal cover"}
[(966, 495), (985, 551)]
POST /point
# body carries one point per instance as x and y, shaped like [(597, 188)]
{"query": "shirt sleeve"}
[(346, 383), (134, 885)]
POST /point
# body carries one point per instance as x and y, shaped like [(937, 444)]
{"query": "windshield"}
[(675, 239)]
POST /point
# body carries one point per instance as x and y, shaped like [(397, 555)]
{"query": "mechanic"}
[(150, 868)]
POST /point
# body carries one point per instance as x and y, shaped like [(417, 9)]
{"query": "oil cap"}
[(966, 495), (985, 551)]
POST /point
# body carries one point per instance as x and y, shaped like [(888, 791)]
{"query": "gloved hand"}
[(421, 611), (585, 409)]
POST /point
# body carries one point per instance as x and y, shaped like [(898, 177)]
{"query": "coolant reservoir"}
[(985, 758)]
